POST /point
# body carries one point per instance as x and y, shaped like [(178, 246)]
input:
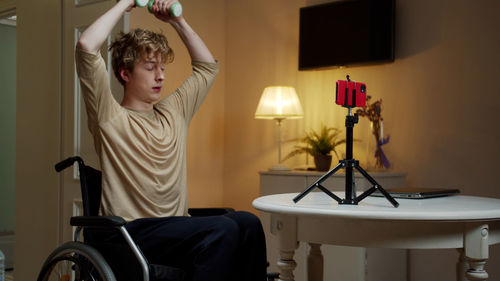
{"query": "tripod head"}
[(351, 120)]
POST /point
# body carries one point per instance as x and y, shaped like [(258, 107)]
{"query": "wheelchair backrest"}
[(90, 184), (94, 190)]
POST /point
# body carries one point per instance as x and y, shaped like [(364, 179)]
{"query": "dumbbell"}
[(175, 9)]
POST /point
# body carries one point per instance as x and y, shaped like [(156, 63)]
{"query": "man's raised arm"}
[(94, 36)]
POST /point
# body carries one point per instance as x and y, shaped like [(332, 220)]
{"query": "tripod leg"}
[(374, 188), (383, 191), (319, 181), (329, 193), (366, 193)]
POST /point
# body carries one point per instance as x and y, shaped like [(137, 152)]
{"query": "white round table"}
[(461, 222)]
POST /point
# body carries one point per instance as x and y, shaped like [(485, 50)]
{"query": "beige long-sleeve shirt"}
[(142, 153)]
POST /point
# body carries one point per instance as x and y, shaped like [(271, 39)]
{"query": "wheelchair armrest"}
[(97, 221), (205, 212)]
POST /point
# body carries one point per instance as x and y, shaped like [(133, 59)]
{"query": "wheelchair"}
[(94, 260)]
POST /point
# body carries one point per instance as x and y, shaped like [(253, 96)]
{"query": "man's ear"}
[(125, 75)]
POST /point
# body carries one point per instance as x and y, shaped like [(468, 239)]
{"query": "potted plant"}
[(320, 146)]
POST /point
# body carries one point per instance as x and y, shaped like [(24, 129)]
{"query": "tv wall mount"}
[(349, 164)]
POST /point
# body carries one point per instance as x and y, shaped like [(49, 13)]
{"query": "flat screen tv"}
[(347, 32)]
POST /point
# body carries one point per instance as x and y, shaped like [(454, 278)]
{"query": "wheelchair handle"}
[(68, 162)]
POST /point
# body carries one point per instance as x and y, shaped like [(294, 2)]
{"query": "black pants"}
[(219, 248)]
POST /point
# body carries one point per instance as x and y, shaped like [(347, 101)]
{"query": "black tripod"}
[(348, 164)]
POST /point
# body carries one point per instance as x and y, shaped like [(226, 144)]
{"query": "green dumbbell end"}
[(176, 10), (141, 3), (150, 6)]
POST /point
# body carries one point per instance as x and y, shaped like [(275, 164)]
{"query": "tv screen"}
[(343, 33)]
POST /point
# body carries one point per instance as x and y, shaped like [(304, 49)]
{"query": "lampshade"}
[(279, 102)]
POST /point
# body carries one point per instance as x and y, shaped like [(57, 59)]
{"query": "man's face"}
[(145, 82)]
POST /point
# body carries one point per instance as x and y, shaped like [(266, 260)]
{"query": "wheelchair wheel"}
[(75, 261)]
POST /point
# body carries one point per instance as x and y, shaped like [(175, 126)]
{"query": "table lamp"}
[(279, 103)]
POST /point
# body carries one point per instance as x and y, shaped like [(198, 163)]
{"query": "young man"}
[(141, 144)]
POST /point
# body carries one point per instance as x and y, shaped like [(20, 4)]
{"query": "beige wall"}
[(261, 44), (440, 116)]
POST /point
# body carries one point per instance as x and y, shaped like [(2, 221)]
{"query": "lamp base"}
[(279, 167)]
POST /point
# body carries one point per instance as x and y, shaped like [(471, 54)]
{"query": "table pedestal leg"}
[(476, 251), (287, 265), (285, 228), (476, 271), (315, 263)]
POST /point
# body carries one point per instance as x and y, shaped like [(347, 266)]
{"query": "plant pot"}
[(322, 162)]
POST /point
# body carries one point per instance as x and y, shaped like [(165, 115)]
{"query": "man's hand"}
[(161, 10), (131, 4)]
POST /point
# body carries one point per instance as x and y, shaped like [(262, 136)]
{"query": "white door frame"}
[(7, 9)]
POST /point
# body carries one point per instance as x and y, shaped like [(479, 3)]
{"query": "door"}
[(75, 137)]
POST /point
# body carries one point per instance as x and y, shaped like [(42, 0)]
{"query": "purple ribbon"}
[(381, 153)]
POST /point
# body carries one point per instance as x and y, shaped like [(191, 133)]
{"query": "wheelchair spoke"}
[(75, 261), (87, 271)]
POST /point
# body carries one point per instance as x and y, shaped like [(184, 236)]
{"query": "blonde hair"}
[(130, 47)]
